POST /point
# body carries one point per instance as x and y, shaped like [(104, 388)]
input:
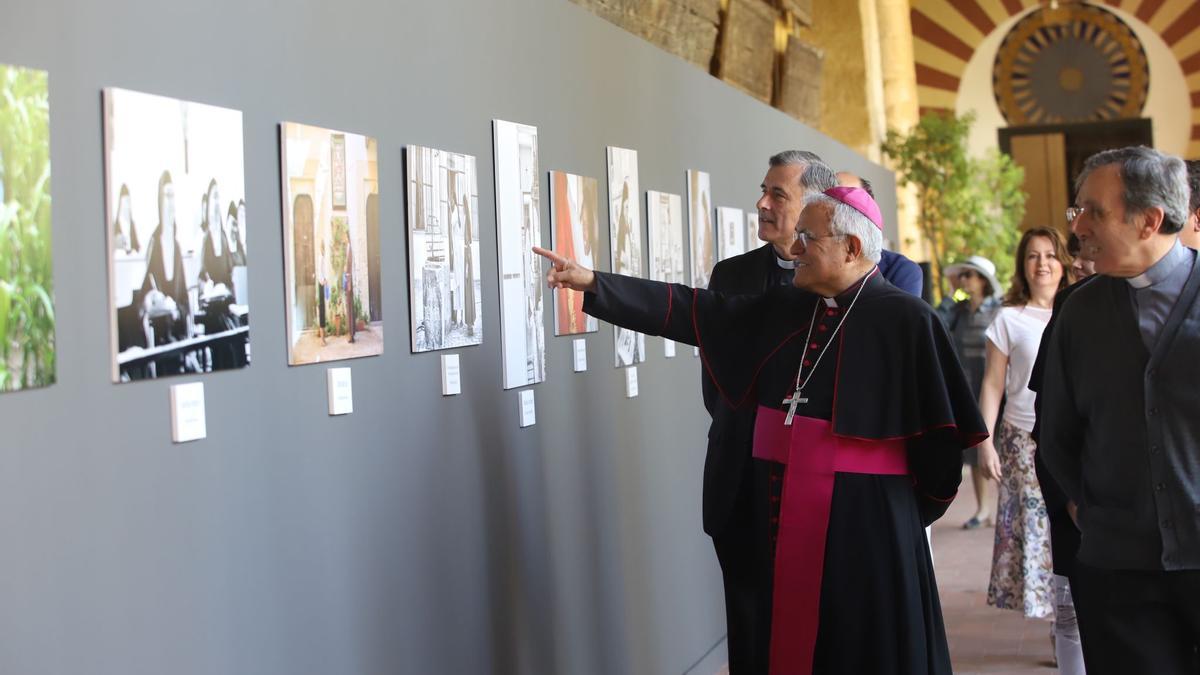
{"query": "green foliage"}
[(27, 352), (359, 314), (337, 261), (337, 295), (968, 205)]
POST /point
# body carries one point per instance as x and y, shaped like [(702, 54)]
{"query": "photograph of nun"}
[(177, 280)]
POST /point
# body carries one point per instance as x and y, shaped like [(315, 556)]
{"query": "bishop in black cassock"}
[(863, 406)]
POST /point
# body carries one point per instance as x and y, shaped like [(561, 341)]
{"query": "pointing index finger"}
[(550, 255)]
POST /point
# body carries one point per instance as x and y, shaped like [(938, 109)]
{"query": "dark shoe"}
[(973, 524)]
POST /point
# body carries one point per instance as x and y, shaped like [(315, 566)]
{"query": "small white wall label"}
[(187, 412), (341, 391), (579, 350), (528, 409), (451, 375)]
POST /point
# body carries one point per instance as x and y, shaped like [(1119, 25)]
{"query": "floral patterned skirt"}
[(1022, 572)]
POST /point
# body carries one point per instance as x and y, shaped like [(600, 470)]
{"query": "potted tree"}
[(967, 205)]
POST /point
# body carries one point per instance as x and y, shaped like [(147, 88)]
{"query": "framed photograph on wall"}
[(332, 262), (700, 227), (518, 230), (27, 325), (576, 235), (732, 227), (445, 303), (664, 216), (625, 223), (175, 182)]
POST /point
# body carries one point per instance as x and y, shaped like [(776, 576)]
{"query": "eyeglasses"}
[(804, 237), (1074, 212), (966, 274)]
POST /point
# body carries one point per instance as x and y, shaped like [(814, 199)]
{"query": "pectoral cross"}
[(791, 402)]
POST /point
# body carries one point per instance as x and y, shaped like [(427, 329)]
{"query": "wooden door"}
[(1044, 158), (1053, 155)]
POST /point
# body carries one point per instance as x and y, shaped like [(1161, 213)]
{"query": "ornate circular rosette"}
[(1073, 63)]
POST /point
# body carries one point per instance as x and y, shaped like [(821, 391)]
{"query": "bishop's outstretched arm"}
[(723, 326)]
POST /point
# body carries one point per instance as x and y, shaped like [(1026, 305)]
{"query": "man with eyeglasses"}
[(1120, 416), (735, 487), (863, 409)]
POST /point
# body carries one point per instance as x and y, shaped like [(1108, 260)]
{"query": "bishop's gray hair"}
[(817, 175), (1151, 179), (847, 220)]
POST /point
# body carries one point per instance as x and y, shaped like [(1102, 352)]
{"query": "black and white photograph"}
[(732, 226), (177, 231), (445, 305), (625, 224), (518, 230), (701, 232), (664, 217)]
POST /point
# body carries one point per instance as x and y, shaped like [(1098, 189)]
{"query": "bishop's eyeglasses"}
[(805, 237)]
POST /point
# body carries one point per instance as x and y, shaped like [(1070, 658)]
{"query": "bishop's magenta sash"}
[(812, 454)]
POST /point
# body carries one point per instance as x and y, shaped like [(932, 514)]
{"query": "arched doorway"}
[(303, 262)]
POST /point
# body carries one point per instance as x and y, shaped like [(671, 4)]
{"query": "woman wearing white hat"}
[(966, 321)]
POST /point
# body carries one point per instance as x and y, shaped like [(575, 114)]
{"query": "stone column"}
[(873, 63), (900, 105), (837, 31)]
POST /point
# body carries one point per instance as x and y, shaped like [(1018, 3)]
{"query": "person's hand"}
[(157, 302), (151, 298), (565, 273), (989, 460), (214, 290)]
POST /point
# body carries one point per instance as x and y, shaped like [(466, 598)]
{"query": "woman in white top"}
[(1022, 575)]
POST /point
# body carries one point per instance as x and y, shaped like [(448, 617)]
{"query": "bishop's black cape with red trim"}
[(890, 372), (896, 370)]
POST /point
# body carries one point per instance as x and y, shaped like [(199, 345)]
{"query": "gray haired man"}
[(1121, 416), (861, 412), (735, 487)]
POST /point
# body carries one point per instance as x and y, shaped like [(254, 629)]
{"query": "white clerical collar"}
[(783, 264), (833, 303), (1161, 269)]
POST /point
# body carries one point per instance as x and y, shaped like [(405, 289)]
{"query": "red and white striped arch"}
[(946, 34)]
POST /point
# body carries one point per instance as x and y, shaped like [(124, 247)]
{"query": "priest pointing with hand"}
[(863, 414)]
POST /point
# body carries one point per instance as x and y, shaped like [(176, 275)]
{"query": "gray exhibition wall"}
[(419, 534)]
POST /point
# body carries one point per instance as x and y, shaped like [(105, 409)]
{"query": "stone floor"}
[(367, 342), (982, 639)]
